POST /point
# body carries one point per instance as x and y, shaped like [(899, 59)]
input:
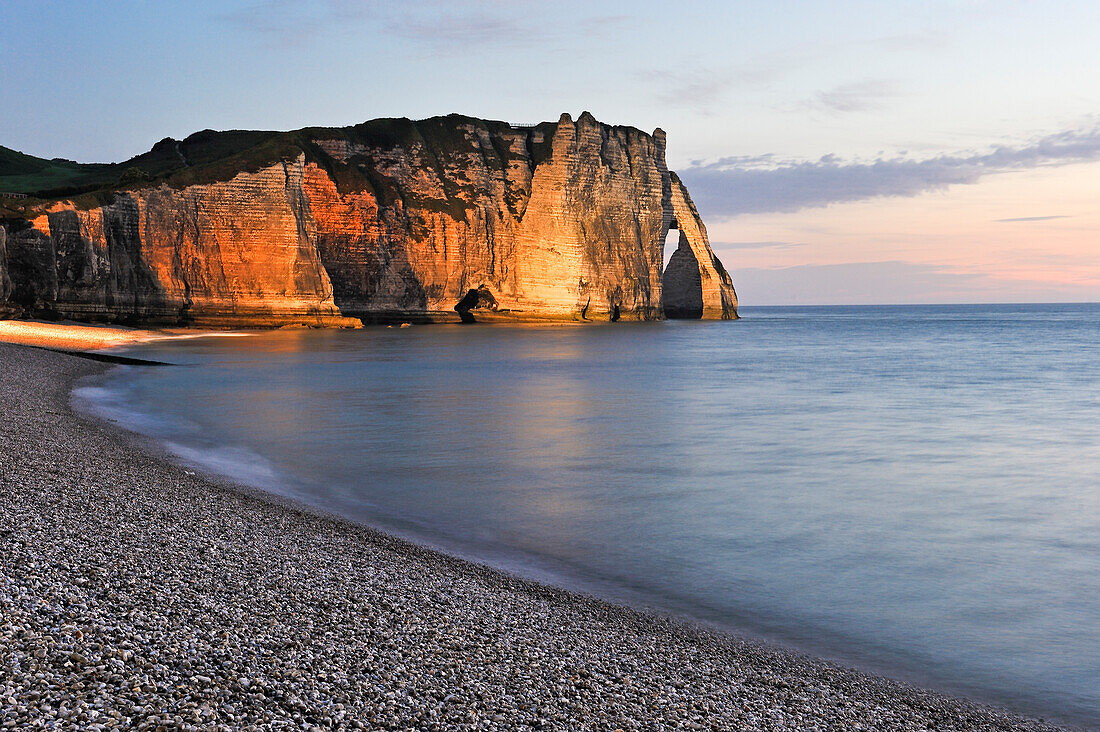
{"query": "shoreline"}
[(70, 336), (202, 601)]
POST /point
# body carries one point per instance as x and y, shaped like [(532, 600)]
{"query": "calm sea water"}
[(913, 490)]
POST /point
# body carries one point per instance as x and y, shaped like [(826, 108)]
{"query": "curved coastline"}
[(194, 601)]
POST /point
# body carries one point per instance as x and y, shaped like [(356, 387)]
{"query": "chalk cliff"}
[(438, 219), (7, 308)]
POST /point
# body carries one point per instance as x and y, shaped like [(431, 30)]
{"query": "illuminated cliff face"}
[(230, 251), (561, 221)]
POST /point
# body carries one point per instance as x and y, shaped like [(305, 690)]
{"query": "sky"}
[(843, 152)]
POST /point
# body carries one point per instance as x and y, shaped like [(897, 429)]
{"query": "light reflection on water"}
[(911, 489)]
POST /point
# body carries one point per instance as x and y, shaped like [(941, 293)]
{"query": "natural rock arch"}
[(694, 284)]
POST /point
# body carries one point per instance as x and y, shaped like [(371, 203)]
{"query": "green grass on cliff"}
[(201, 158), (21, 173), (209, 156)]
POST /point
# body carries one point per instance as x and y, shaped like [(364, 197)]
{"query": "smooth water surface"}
[(911, 489)]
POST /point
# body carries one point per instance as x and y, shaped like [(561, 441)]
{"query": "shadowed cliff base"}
[(390, 220)]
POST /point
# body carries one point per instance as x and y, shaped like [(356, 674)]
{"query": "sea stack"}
[(389, 220)]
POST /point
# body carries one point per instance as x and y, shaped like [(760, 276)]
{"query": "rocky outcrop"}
[(392, 219), (477, 301), (696, 285), (7, 307)]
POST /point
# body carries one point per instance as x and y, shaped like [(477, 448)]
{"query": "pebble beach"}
[(137, 593)]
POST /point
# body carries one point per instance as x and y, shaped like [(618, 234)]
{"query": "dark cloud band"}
[(742, 185), (1023, 219)]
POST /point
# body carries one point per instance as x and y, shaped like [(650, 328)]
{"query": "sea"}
[(910, 490)]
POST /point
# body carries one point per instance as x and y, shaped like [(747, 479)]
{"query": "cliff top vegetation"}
[(209, 156)]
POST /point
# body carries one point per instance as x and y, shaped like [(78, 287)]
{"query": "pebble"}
[(136, 594)]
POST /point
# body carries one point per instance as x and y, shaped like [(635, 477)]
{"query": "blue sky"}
[(949, 149)]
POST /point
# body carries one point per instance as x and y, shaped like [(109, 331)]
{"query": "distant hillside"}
[(20, 173)]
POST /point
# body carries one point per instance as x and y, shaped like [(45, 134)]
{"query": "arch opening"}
[(668, 247), (682, 282)]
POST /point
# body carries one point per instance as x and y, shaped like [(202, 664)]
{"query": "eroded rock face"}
[(7, 307), (223, 253), (563, 221), (715, 288)]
